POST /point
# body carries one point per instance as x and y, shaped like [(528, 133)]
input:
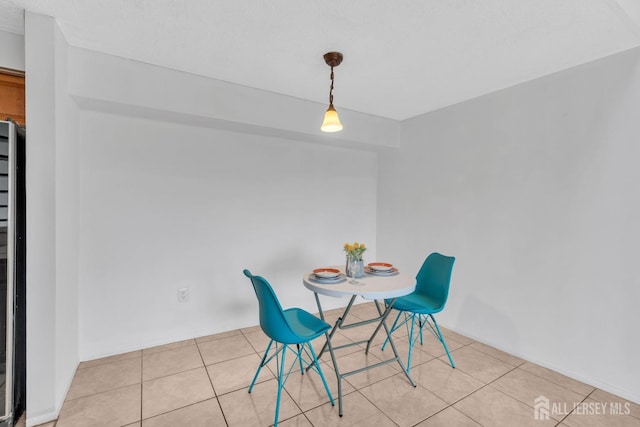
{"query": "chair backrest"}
[(434, 277), (272, 320)]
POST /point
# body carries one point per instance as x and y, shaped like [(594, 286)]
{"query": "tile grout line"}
[(141, 385), (215, 394), (373, 404), (544, 379), (478, 389), (574, 408), (100, 392), (553, 382)]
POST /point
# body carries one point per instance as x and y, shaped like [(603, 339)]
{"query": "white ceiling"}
[(402, 58)]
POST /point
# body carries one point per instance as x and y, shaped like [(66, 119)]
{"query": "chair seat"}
[(305, 325), (417, 303)]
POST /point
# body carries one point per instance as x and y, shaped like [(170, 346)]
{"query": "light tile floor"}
[(203, 382)]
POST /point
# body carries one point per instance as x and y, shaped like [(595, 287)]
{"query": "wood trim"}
[(11, 72), (12, 95)]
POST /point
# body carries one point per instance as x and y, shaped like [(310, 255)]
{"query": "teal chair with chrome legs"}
[(429, 298), (286, 328)]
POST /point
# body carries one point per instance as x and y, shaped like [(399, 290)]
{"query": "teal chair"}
[(286, 328), (429, 298)]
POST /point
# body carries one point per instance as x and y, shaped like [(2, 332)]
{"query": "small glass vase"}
[(355, 268)]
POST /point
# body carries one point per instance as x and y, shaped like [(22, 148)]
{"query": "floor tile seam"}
[(626, 400), (232, 358), (101, 392), (573, 409), (246, 338), (171, 373), (475, 377), (428, 354), (175, 349), (488, 355), (518, 400), (556, 383), (293, 400), (513, 368), (166, 349), (224, 417), (444, 409), (81, 368), (477, 390), (435, 413), (377, 381), (259, 352), (473, 392), (258, 381), (210, 337), (208, 376), (479, 379), (335, 401), (504, 361), (374, 405), (629, 414), (95, 394), (529, 403), (304, 414), (174, 373), (176, 409)]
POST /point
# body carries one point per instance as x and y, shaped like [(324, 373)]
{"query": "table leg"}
[(383, 317), (338, 322), (327, 343), (393, 346), (335, 368)]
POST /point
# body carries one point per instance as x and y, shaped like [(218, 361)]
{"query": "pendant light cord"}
[(331, 89)]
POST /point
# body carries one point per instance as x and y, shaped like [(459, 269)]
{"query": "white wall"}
[(134, 191), (166, 206), (534, 190), (52, 216), (67, 223), (11, 50)]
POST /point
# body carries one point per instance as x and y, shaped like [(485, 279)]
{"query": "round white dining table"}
[(370, 287)]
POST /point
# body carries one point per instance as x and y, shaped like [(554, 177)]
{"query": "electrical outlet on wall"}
[(183, 294)]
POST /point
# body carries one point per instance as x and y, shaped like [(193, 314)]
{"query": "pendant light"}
[(331, 121)]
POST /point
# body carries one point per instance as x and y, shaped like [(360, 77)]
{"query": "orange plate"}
[(326, 272), (380, 266)]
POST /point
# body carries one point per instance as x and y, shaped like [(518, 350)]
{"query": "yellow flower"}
[(346, 246), (355, 244), (361, 245)]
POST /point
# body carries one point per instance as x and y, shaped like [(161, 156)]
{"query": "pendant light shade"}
[(331, 122)]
